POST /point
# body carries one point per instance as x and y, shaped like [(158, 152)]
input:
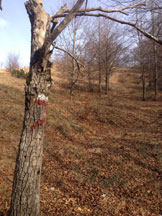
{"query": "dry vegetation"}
[(102, 154)]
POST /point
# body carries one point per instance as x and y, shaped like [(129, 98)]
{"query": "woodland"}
[(87, 139)]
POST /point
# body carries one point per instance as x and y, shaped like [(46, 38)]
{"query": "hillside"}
[(102, 154)]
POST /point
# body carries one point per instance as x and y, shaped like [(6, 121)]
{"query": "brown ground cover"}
[(102, 154)]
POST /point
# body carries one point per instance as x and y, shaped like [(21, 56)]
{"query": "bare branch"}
[(55, 20), (71, 55), (120, 10), (84, 12), (147, 34), (66, 21)]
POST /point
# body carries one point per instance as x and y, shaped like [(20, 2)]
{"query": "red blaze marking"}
[(38, 123), (41, 102)]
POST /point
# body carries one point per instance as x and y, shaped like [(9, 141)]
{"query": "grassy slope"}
[(102, 156)]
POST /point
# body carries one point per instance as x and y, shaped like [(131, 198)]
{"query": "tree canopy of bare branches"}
[(102, 12)]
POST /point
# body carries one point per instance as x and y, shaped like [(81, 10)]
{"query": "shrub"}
[(19, 73)]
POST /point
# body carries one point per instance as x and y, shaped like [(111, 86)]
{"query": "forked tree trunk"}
[(25, 199)]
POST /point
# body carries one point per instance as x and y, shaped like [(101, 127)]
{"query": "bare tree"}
[(140, 52), (140, 57), (111, 52), (71, 41), (12, 62), (102, 52), (26, 186), (98, 55), (89, 61), (148, 52), (104, 13)]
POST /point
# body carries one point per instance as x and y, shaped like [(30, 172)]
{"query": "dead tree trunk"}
[(26, 186)]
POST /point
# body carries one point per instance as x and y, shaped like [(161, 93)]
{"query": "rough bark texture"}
[(26, 186)]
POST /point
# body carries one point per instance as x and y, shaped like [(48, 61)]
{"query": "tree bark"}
[(99, 58), (155, 56), (107, 81), (155, 72), (99, 78), (25, 199), (26, 185)]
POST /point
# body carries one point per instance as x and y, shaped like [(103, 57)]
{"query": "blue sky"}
[(15, 29)]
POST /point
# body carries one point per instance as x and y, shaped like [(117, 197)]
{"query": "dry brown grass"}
[(102, 156), (7, 80)]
